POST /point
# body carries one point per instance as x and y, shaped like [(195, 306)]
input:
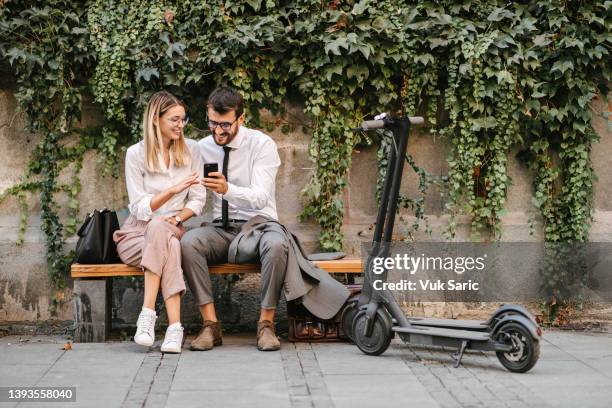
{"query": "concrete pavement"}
[(575, 369)]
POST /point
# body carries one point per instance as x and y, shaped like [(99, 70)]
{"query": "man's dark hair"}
[(225, 99)]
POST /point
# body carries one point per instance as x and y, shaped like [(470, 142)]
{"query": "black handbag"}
[(95, 244)]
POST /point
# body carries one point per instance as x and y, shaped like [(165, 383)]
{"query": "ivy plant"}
[(490, 76)]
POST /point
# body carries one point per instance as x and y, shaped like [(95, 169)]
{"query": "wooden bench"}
[(93, 291)]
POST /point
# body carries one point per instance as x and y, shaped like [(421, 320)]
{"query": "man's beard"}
[(228, 136)]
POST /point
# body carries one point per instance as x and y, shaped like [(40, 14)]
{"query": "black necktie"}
[(224, 210)]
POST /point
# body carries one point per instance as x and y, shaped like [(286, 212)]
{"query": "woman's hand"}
[(216, 182), (171, 220), (185, 184)]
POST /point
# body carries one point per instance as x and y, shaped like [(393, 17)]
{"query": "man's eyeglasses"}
[(212, 125), (176, 121)]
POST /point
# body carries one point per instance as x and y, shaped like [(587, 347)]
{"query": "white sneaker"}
[(145, 330), (173, 340)]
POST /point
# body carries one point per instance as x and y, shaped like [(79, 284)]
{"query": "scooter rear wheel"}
[(526, 350), (378, 342), (348, 315)]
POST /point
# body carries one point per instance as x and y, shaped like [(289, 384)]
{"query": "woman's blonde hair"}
[(159, 104)]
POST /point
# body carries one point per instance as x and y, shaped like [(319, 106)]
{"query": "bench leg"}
[(92, 310)]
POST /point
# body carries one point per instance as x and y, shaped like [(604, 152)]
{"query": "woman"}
[(162, 175)]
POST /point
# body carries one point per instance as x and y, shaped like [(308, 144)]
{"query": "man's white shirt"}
[(251, 174)]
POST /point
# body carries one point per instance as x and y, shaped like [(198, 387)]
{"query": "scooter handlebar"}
[(416, 120), (372, 124), (380, 124)]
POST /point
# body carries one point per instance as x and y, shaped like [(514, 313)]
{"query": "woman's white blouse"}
[(143, 185)]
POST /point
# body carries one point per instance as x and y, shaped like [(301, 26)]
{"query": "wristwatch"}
[(178, 220)]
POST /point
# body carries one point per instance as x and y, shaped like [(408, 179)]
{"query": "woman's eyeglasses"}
[(176, 121)]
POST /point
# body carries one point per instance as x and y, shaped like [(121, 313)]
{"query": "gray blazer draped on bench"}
[(319, 292)]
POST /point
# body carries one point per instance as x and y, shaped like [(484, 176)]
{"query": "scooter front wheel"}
[(525, 349), (380, 338)]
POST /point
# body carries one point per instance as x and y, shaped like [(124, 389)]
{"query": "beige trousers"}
[(154, 246)]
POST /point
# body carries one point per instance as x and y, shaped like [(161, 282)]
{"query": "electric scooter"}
[(372, 321)]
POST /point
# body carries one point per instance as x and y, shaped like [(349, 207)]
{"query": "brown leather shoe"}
[(208, 337), (266, 338)]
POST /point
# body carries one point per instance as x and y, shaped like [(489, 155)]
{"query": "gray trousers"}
[(201, 247)]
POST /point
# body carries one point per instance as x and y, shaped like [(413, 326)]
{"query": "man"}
[(246, 228)]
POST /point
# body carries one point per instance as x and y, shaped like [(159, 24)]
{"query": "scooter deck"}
[(443, 332), (451, 323)]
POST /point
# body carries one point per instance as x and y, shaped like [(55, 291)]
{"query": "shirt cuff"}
[(229, 194), (195, 206), (142, 209)]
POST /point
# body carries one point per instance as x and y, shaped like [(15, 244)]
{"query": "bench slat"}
[(351, 265)]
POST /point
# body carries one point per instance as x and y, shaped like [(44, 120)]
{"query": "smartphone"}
[(210, 168)]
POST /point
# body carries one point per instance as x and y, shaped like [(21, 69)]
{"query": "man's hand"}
[(216, 182), (185, 184)]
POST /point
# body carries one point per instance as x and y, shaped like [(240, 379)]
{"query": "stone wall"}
[(25, 290)]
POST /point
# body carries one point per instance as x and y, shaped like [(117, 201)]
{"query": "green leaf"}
[(176, 47), (333, 69), (562, 66), (255, 4), (359, 72), (380, 24), (16, 53), (365, 49), (165, 37), (499, 14), (437, 42), (464, 68), (504, 76), (360, 7), (581, 127), (529, 24), (147, 73), (319, 62), (335, 45), (79, 30), (424, 58), (585, 99)]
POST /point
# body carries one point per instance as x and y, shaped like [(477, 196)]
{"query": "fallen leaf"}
[(169, 16)]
